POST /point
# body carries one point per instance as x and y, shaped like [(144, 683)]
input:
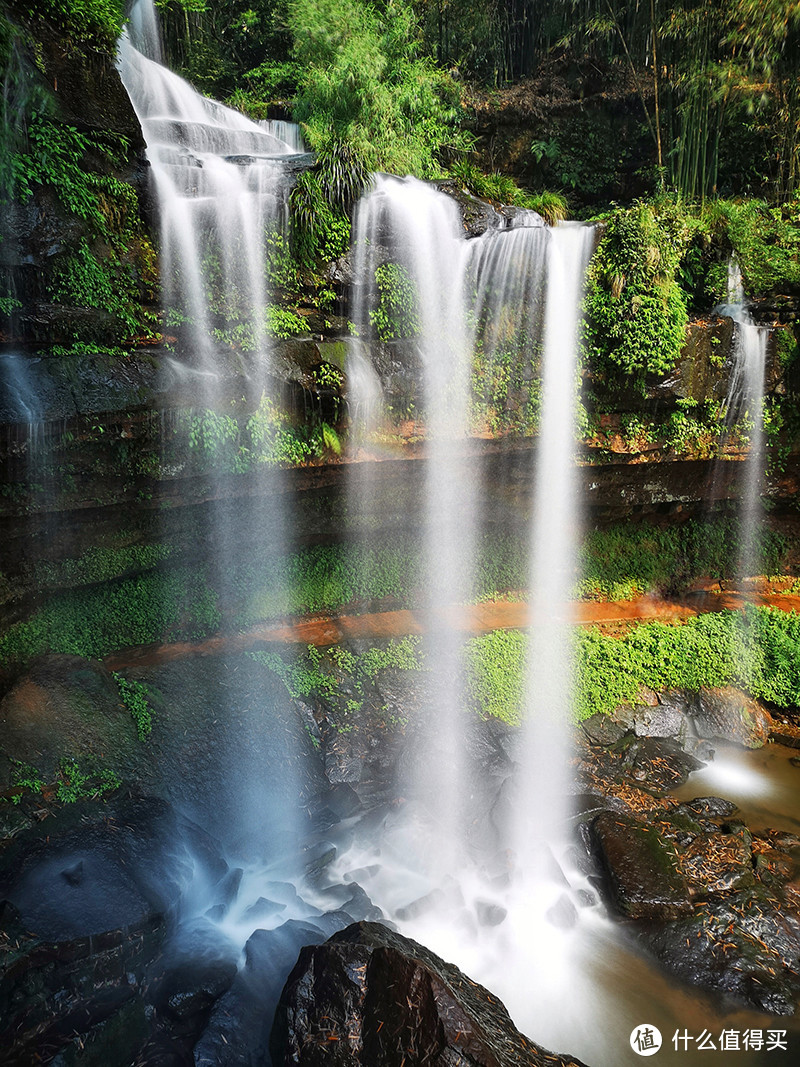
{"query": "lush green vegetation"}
[(266, 437), (183, 602), (177, 605), (72, 782), (365, 82), (503, 189), (99, 565), (97, 23), (636, 308), (100, 266), (623, 562), (342, 679), (137, 698), (759, 652), (714, 87)]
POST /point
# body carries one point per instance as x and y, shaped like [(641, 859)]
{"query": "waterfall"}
[(540, 813), (221, 186), (440, 875), (744, 403), (221, 190), (21, 403)]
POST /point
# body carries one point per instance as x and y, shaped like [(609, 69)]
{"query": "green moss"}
[(760, 654), (99, 565), (181, 602), (93, 622)]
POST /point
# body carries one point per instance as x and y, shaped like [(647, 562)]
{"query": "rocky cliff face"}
[(77, 262)]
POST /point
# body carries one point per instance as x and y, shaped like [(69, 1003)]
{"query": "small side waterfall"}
[(744, 404)]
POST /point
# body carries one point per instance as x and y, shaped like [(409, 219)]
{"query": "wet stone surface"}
[(370, 996)]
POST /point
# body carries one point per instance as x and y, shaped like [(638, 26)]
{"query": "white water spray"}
[(745, 402), (221, 192)]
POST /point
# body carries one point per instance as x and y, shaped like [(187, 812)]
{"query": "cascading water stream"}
[(221, 186), (745, 404), (221, 192), (448, 886)]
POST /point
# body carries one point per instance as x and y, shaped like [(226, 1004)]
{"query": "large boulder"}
[(643, 876), (64, 706), (728, 715), (370, 996)]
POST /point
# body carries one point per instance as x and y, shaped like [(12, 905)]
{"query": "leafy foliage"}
[(396, 314), (502, 189), (760, 655), (85, 21), (71, 783), (341, 678), (364, 85), (636, 309), (133, 611), (136, 698)]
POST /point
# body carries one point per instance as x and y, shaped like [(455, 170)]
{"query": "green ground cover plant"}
[(72, 782), (136, 697), (758, 651), (340, 678), (183, 602)]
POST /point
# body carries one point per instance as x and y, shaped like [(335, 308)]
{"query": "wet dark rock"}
[(317, 857), (603, 729), (718, 862), (95, 868), (342, 801), (191, 988), (64, 704), (112, 1040), (238, 1030), (729, 715), (563, 914), (644, 879), (370, 996), (745, 944), (658, 764), (716, 807), (263, 908), (489, 914), (50, 992), (477, 216), (703, 369), (227, 889), (344, 757), (359, 906)]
